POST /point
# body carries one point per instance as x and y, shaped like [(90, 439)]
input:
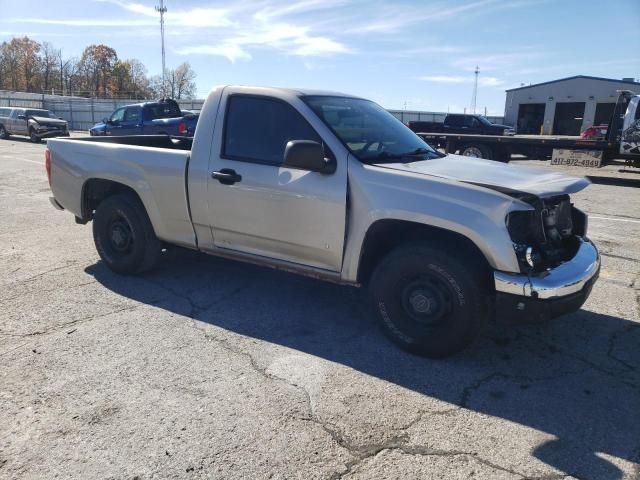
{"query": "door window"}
[(132, 114), (454, 120), (118, 115), (257, 129), (471, 122)]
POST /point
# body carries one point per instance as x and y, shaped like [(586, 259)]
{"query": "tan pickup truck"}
[(333, 186)]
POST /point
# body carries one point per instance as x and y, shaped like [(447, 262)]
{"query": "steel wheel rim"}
[(472, 152), (426, 300), (120, 235)]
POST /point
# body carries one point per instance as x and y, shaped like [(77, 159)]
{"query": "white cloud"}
[(88, 22), (286, 37), (231, 52), (391, 19), (194, 17), (456, 79), (443, 79)]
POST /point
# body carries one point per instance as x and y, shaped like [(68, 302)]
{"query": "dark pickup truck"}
[(462, 123), (163, 117)]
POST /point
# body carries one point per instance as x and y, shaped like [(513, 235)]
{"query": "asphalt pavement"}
[(206, 368)]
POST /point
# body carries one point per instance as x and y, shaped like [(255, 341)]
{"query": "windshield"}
[(370, 132), (484, 120), (39, 113)]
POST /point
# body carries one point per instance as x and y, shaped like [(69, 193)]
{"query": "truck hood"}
[(513, 180), (49, 121)]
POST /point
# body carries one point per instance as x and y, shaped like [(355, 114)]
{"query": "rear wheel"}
[(477, 151), (124, 236), (3, 133), (428, 300)]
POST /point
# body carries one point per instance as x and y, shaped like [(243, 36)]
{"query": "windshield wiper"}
[(382, 156)]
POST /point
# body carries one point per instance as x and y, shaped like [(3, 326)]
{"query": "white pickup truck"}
[(333, 186)]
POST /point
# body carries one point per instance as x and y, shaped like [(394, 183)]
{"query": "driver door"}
[(20, 125), (114, 127), (272, 210), (132, 122)]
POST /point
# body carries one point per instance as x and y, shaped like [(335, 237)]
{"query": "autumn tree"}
[(26, 65), (95, 69), (129, 78)]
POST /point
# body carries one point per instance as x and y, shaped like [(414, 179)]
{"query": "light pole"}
[(475, 91), (162, 10)]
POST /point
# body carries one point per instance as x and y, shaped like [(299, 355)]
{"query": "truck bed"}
[(156, 141), (153, 166)]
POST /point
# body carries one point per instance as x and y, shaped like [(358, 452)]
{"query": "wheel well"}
[(385, 235), (95, 190)]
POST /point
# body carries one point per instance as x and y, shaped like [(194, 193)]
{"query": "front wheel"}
[(427, 300), (124, 236), (33, 136)]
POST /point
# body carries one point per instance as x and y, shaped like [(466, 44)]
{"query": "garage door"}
[(568, 118)]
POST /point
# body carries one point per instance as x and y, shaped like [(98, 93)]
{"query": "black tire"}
[(476, 151), (429, 300), (4, 135), (33, 137), (124, 236)]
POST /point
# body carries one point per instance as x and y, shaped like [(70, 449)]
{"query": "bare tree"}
[(179, 82), (49, 64)]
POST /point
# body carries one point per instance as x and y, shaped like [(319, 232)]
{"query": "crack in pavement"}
[(46, 272), (586, 361), (611, 345), (359, 453), (66, 325), (427, 452), (48, 290)]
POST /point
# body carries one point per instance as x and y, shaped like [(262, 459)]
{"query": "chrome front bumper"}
[(565, 279)]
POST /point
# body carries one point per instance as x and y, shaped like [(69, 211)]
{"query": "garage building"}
[(566, 106)]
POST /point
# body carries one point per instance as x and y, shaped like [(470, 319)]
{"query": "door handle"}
[(227, 176)]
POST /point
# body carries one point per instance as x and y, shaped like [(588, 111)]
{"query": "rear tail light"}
[(47, 164), (182, 128)]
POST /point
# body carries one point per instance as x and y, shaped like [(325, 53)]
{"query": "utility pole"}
[(475, 91), (162, 10)]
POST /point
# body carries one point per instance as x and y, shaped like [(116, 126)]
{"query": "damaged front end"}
[(558, 263), (547, 235)]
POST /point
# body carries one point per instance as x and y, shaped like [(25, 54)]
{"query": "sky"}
[(413, 55)]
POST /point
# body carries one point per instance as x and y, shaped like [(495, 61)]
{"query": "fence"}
[(414, 115), (82, 113)]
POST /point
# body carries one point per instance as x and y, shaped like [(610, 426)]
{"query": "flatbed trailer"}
[(622, 139), (497, 147)]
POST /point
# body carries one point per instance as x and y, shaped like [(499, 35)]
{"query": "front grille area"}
[(548, 230)]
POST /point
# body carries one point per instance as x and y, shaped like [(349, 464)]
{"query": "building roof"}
[(601, 79)]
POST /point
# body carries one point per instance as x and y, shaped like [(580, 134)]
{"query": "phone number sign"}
[(577, 158)]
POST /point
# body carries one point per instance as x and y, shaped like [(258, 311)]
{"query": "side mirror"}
[(22, 117), (307, 155)]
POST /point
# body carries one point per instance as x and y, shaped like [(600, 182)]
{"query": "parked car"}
[(595, 132), (150, 118), (335, 187), (34, 123), (462, 123)]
